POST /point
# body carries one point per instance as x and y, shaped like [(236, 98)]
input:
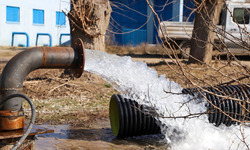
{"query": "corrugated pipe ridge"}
[(128, 119), (238, 110)]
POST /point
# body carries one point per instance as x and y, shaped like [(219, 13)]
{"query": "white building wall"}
[(26, 22)]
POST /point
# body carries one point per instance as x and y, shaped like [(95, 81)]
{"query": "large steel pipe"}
[(14, 73)]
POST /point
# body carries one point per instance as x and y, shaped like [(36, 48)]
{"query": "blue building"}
[(133, 22)]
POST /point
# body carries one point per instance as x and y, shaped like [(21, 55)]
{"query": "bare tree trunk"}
[(206, 18), (89, 20)]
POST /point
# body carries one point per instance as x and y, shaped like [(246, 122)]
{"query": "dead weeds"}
[(218, 73), (61, 98)]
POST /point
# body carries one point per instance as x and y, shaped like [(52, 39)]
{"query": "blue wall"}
[(186, 11), (164, 11), (126, 20)]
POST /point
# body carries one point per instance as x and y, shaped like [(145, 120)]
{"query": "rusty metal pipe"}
[(14, 73)]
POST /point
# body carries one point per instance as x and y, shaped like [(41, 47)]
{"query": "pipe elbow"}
[(14, 73)]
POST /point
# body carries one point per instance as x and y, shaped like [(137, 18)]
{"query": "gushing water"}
[(141, 83)]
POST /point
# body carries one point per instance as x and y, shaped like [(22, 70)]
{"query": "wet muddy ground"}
[(95, 135)]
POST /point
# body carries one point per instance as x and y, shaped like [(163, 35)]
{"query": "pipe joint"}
[(14, 73)]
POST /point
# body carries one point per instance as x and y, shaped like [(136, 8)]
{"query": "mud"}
[(95, 135)]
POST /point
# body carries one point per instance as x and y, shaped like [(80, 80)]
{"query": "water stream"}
[(141, 83)]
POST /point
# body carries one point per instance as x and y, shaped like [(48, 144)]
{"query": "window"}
[(12, 14), (38, 16), (241, 15), (60, 18)]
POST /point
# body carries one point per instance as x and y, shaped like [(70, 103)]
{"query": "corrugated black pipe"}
[(14, 73), (128, 119), (238, 110)]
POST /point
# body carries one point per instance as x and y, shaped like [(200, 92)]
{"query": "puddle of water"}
[(96, 135)]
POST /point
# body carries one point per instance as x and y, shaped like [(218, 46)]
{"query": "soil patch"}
[(61, 98)]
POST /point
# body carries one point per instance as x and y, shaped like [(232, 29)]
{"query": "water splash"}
[(141, 83)]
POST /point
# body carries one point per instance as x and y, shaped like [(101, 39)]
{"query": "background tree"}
[(207, 16), (89, 20)]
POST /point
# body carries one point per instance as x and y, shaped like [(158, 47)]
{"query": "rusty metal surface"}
[(11, 120), (18, 133), (31, 59), (79, 47), (9, 114), (59, 57)]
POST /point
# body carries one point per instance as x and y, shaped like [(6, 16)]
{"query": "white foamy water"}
[(143, 84)]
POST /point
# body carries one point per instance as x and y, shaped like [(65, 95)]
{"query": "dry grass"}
[(201, 73)]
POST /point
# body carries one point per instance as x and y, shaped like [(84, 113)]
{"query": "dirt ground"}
[(60, 98)]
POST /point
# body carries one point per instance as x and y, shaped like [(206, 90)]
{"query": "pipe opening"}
[(114, 116), (127, 118)]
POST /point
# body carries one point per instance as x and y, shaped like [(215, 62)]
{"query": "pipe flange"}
[(11, 120), (79, 48)]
